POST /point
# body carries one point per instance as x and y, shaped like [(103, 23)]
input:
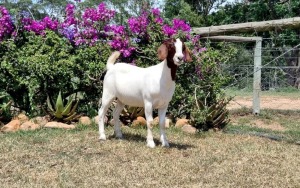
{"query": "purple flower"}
[(181, 25), (6, 24), (38, 27), (169, 31), (68, 32), (52, 25), (155, 12), (195, 39), (70, 10), (202, 50), (24, 14), (90, 15), (159, 20), (116, 29), (138, 25), (122, 44)]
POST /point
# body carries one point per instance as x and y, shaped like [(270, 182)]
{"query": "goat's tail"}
[(112, 59)]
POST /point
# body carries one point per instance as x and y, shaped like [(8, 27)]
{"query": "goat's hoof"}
[(102, 138), (151, 144), (166, 145), (119, 137)]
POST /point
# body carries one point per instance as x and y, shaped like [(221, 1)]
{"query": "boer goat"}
[(151, 88)]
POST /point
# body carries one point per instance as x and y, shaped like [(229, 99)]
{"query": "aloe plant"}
[(63, 112), (210, 115), (131, 113)]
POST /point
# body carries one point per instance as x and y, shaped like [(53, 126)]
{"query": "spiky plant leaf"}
[(49, 104), (59, 105), (68, 107)]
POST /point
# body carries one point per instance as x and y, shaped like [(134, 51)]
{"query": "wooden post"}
[(257, 64), (257, 77), (248, 27)]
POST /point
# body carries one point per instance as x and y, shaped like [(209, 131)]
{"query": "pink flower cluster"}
[(39, 27), (120, 40), (68, 27), (70, 16), (122, 44), (100, 14), (197, 48), (138, 25), (116, 29), (178, 25), (6, 24), (88, 29), (87, 32), (157, 18)]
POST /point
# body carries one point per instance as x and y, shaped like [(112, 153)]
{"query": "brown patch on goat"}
[(187, 53), (167, 51)]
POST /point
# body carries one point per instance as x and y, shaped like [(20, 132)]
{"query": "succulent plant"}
[(129, 114), (210, 115), (63, 112)]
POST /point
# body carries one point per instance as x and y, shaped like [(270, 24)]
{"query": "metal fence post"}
[(257, 76)]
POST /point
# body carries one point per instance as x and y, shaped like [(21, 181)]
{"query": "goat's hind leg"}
[(116, 115), (106, 101), (162, 123)]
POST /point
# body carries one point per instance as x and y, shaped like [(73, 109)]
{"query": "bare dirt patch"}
[(266, 102)]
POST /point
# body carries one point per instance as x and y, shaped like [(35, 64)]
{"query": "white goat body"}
[(133, 85), (151, 88)]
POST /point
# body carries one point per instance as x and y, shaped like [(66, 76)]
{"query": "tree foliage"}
[(281, 40)]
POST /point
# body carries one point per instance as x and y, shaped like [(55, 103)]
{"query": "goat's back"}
[(132, 85)]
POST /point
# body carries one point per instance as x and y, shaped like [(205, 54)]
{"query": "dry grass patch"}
[(58, 158)]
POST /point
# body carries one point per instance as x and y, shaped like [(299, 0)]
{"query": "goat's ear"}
[(187, 54), (162, 52)]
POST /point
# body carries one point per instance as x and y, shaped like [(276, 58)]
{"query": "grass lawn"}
[(284, 92), (75, 158)]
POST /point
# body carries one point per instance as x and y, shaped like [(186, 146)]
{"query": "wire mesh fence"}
[(280, 77)]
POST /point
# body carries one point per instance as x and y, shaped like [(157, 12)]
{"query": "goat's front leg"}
[(106, 101), (162, 123), (116, 115), (149, 118)]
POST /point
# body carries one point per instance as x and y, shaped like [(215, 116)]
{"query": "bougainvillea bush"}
[(39, 58)]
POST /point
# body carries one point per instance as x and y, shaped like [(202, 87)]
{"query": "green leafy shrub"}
[(210, 101), (43, 65), (5, 107), (206, 105)]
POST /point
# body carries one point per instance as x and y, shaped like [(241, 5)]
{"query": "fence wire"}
[(280, 78)]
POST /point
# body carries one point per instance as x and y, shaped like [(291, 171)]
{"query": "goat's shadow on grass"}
[(138, 138)]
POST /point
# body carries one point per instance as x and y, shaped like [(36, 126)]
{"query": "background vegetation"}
[(52, 46)]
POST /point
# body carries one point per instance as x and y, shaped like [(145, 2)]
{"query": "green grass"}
[(75, 158), (283, 92), (287, 119)]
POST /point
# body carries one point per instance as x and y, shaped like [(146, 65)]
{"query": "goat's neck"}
[(171, 65), (167, 74)]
